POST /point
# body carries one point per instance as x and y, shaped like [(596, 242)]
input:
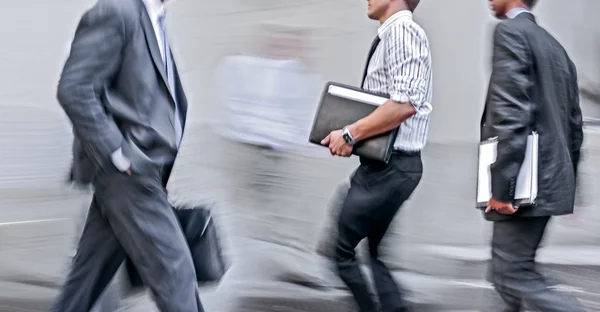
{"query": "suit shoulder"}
[(112, 12), (115, 9), (511, 33), (509, 27), (120, 7)]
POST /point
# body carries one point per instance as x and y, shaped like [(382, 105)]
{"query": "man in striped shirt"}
[(399, 64)]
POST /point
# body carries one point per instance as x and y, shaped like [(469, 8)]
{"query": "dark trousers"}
[(131, 215), (513, 270), (377, 191)]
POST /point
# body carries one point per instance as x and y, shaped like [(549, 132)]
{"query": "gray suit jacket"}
[(114, 90), (533, 87)]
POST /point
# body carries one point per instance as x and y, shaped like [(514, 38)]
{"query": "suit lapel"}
[(180, 94), (152, 43)]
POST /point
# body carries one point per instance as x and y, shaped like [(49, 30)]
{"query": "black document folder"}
[(342, 105)]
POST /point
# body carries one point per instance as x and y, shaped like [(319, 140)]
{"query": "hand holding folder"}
[(527, 182), (342, 105)]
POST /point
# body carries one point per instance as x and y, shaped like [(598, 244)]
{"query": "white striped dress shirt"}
[(401, 68)]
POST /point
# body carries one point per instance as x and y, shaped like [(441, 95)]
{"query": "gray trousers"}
[(109, 300), (131, 215), (513, 271)]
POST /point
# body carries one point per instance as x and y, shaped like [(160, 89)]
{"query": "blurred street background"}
[(276, 228)]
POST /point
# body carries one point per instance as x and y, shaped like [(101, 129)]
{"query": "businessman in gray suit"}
[(121, 90), (533, 87)]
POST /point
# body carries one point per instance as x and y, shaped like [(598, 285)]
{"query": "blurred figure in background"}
[(533, 87), (267, 100)]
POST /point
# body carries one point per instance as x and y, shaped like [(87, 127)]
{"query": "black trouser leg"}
[(513, 270), (376, 193)]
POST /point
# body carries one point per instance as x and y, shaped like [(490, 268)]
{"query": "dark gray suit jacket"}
[(533, 87), (114, 90)]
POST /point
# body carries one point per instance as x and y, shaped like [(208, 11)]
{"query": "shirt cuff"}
[(400, 98), (422, 109), (120, 161)]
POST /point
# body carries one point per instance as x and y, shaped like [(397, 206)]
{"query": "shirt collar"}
[(398, 16), (515, 12), (155, 8)]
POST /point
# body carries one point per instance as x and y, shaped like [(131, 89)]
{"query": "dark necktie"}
[(371, 52)]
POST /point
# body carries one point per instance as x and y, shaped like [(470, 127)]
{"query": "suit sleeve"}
[(92, 63), (510, 108), (575, 120)]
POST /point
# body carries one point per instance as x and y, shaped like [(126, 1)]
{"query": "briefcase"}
[(202, 238), (342, 105)]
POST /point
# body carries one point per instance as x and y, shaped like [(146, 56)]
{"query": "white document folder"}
[(526, 188)]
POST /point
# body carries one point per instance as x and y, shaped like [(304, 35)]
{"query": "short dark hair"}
[(412, 4), (529, 3)]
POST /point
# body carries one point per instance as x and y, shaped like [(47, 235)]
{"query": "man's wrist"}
[(355, 132), (347, 136)]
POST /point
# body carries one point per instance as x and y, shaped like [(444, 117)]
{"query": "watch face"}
[(347, 138)]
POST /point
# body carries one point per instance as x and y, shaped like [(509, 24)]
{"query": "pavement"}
[(437, 246)]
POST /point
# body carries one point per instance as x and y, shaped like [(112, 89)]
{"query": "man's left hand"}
[(501, 207), (337, 144)]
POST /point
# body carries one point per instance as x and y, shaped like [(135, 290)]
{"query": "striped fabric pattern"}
[(401, 67)]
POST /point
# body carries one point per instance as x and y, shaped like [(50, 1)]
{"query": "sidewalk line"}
[(473, 283), (31, 221)]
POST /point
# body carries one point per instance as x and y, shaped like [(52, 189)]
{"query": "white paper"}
[(356, 95), (526, 186)]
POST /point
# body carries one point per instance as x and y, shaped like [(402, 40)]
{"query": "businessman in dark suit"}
[(121, 90), (533, 87)]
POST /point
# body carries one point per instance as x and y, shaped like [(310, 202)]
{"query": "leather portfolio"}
[(342, 105)]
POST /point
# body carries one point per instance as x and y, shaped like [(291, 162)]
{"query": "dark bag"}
[(201, 235)]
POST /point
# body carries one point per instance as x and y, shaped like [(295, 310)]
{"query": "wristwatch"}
[(348, 136)]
